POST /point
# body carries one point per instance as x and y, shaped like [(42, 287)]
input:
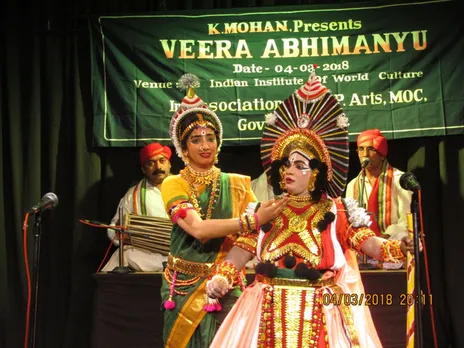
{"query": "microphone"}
[(365, 162), (409, 182), (48, 201)]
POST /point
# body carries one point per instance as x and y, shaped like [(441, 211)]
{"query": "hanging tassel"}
[(169, 304), (212, 305)]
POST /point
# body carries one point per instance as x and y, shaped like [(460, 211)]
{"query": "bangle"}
[(244, 224), (390, 251), (251, 218), (227, 272), (258, 226), (249, 222), (247, 218)]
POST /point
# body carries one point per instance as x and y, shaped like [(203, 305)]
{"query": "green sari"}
[(188, 325)]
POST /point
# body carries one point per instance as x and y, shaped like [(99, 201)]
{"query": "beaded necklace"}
[(299, 201), (196, 179), (300, 198)]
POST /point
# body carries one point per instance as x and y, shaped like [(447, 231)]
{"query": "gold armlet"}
[(358, 236)]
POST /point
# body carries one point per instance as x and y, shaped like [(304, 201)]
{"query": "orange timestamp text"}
[(346, 299), (413, 299)]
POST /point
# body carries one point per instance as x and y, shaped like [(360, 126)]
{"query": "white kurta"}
[(400, 204), (138, 259)]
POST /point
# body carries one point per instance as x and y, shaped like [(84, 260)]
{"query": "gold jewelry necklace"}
[(300, 198), (299, 201), (212, 176), (194, 177)]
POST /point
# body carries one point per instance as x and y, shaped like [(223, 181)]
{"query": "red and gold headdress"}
[(192, 104), (312, 121)]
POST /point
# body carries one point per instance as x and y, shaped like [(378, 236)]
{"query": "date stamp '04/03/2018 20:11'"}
[(346, 299)]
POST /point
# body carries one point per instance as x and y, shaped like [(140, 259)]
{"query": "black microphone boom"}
[(365, 162), (48, 201), (409, 182)]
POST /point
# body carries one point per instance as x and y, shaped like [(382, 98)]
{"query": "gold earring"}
[(186, 161), (311, 185), (312, 180), (216, 160), (282, 178)]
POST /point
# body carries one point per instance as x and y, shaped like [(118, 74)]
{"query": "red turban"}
[(379, 141), (152, 150)]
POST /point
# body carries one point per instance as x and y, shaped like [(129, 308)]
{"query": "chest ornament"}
[(295, 232)]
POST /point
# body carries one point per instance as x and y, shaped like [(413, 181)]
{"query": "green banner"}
[(396, 67)]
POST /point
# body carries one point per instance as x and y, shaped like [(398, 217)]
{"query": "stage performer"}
[(205, 206), (307, 260)]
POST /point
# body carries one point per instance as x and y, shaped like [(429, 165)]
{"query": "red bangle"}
[(258, 226)]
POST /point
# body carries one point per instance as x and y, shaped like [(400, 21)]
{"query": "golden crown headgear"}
[(192, 104), (312, 121)]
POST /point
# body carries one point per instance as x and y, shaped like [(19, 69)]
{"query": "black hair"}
[(275, 175), (321, 178)]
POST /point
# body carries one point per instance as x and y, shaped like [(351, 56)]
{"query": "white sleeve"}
[(349, 192), (402, 201)]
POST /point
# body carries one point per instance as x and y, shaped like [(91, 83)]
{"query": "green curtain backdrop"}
[(46, 127)]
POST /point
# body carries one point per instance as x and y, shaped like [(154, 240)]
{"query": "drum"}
[(148, 232)]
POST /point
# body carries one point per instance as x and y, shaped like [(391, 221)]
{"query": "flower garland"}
[(357, 216)]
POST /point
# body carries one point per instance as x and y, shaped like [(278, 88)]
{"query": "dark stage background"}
[(46, 145)]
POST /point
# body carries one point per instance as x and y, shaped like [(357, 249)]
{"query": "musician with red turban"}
[(379, 181), (144, 199)]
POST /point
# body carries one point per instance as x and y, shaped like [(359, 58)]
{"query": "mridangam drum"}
[(148, 232)]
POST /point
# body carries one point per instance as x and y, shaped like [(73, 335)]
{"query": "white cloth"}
[(261, 188), (138, 259), (400, 205), (263, 192)]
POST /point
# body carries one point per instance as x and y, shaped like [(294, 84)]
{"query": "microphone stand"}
[(417, 278), (37, 230), (363, 187), (121, 269)]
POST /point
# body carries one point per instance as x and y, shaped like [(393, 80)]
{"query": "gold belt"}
[(200, 269), (295, 282)]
